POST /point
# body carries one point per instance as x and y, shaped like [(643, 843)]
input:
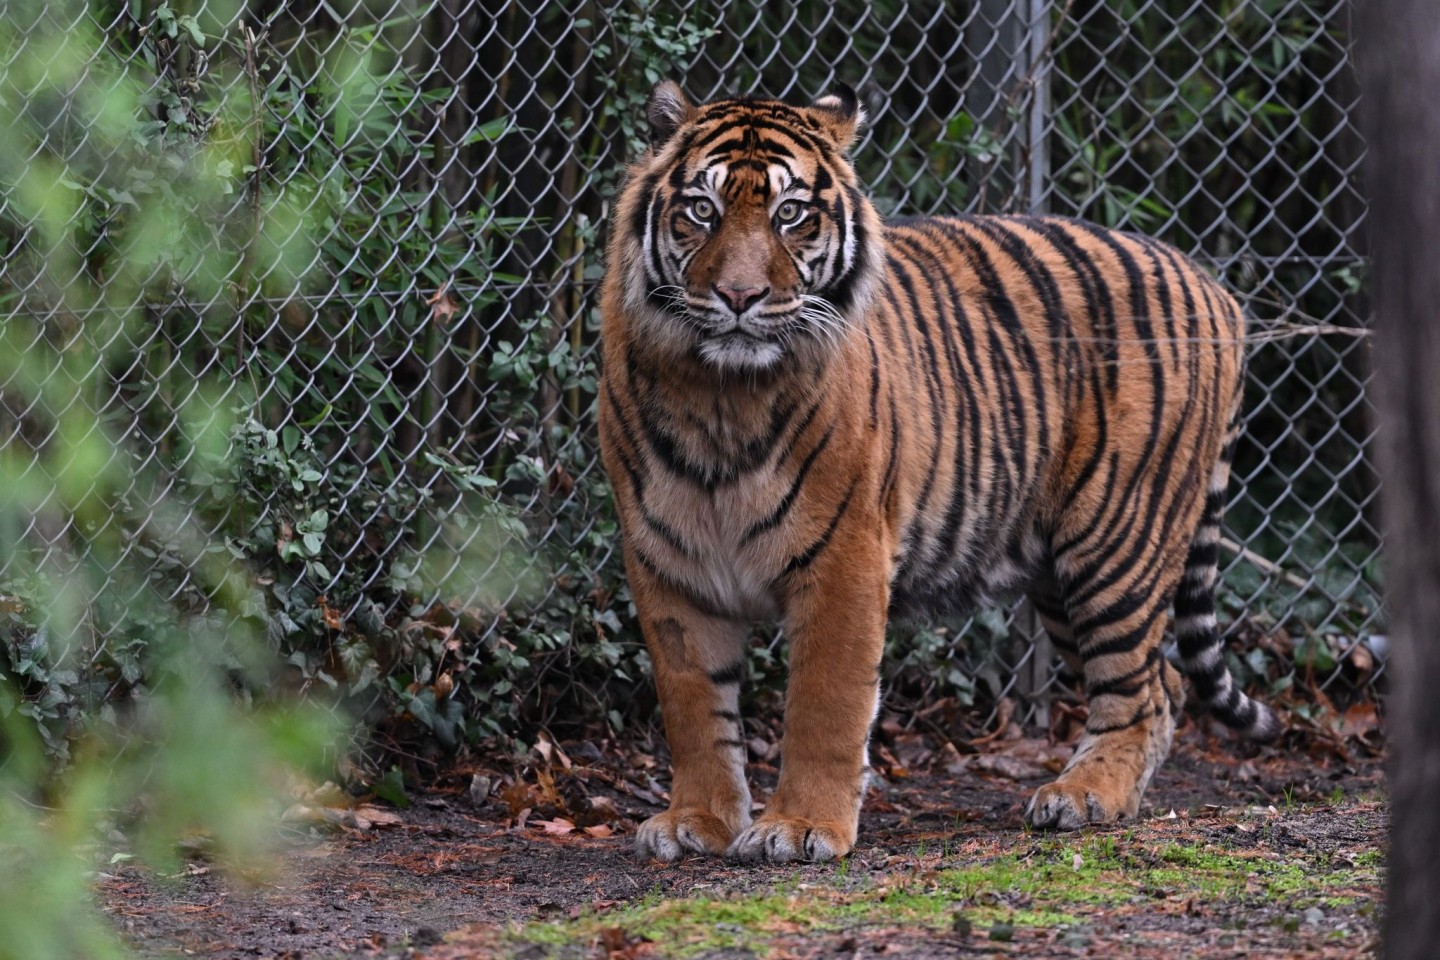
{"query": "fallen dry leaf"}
[(618, 946), (557, 827), (1004, 765), (1016, 759), (516, 796), (603, 806), (332, 617), (1003, 712), (1362, 659), (551, 751), (1359, 720), (367, 815)]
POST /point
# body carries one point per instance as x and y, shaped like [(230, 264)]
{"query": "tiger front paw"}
[(668, 836), (778, 839)]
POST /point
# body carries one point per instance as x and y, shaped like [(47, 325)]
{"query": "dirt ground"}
[(1278, 854)]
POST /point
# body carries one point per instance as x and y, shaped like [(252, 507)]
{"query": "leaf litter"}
[(1240, 851)]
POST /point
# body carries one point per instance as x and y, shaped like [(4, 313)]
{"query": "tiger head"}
[(741, 237)]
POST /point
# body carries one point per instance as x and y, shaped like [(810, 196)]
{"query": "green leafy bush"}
[(275, 260)]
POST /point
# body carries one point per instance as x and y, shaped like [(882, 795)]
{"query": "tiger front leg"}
[(1134, 698), (835, 622), (698, 661)]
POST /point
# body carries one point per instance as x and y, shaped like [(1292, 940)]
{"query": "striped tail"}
[(1196, 631)]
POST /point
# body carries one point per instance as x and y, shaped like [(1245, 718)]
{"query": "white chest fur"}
[(714, 559)]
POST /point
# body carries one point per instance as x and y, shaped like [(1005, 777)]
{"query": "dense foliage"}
[(348, 368)]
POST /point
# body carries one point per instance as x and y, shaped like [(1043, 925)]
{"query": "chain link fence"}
[(377, 252)]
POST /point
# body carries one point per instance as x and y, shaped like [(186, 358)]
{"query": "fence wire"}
[(381, 262)]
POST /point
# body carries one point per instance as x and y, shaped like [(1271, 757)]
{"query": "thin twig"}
[(1265, 566), (1273, 569)]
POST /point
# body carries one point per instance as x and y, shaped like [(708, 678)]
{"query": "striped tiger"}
[(811, 416)]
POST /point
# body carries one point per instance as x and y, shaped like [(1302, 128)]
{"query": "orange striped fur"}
[(813, 417)]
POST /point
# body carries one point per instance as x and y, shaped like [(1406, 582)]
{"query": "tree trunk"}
[(1399, 55)]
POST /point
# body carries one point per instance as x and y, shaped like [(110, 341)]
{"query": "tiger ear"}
[(666, 110), (840, 114)]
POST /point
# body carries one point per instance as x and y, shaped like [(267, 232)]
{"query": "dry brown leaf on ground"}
[(558, 827), (367, 816), (911, 749), (547, 792), (313, 815), (550, 750), (1016, 760), (363, 817), (1359, 721), (1003, 712), (326, 794), (517, 797), (603, 806)]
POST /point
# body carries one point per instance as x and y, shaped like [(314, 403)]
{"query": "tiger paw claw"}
[(783, 839), (670, 835), (1059, 806)]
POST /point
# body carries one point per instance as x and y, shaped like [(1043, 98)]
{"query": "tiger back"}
[(813, 417)]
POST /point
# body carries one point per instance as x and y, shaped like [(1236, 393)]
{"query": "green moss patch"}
[(1040, 884)]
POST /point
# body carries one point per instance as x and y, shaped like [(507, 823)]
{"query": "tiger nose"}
[(740, 298)]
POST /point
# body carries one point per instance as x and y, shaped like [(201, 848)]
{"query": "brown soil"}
[(452, 877)]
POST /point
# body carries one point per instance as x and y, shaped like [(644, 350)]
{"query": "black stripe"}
[(808, 555), (874, 385), (799, 432), (1203, 555), (644, 196), (1128, 683), (841, 290), (728, 676), (786, 502), (892, 461), (932, 376), (700, 602), (1141, 713), (965, 376)]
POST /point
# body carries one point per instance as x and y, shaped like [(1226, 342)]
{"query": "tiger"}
[(813, 417)]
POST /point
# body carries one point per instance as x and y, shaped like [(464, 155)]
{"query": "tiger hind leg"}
[(1115, 625)]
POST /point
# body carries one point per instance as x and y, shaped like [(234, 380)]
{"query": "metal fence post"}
[(1038, 112)]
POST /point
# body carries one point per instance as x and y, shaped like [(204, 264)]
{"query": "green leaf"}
[(488, 132), (391, 788)]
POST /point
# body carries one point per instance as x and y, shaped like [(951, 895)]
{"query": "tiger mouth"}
[(741, 333), (741, 349)]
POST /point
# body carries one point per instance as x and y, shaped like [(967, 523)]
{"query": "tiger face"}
[(754, 242)]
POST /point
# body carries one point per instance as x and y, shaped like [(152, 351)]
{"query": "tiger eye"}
[(703, 209), (789, 212)]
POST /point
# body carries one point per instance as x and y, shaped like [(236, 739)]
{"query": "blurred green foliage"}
[(169, 725)]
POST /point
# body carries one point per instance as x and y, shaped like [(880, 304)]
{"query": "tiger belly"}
[(980, 578)]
